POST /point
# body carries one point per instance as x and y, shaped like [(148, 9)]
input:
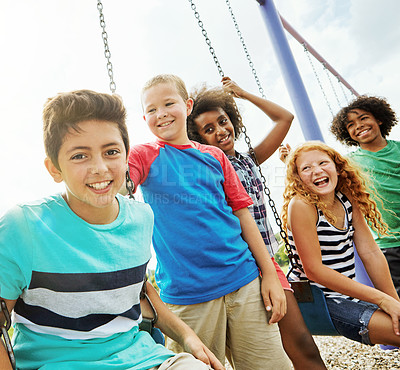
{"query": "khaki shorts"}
[(235, 326), (182, 361)]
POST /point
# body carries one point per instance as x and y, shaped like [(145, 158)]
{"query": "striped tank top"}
[(336, 247)]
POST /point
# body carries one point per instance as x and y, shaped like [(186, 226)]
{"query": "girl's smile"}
[(318, 172), (216, 129)]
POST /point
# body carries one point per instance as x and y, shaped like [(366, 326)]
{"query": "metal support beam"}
[(291, 75)]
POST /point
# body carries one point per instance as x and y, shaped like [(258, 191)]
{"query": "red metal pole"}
[(317, 56)]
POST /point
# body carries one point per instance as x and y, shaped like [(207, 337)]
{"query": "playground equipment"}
[(311, 300)]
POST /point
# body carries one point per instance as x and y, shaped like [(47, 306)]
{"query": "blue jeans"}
[(351, 318)]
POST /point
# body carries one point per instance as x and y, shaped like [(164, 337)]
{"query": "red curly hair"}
[(350, 181)]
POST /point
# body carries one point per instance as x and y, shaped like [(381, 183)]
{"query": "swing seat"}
[(157, 335), (312, 304)]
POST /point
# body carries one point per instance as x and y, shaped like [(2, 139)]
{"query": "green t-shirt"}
[(383, 168)]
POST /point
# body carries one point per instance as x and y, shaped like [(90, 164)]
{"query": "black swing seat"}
[(147, 324), (312, 304), (157, 335)]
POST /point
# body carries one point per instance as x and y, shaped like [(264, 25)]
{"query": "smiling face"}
[(216, 129), (92, 164), (318, 172), (364, 128), (165, 112)]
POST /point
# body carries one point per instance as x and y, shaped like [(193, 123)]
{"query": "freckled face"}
[(216, 129), (318, 172)]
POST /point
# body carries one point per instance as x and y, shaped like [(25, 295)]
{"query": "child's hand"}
[(274, 299), (284, 152), (231, 87), (392, 307), (197, 348)]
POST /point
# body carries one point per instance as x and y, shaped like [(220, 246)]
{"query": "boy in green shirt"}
[(365, 123)]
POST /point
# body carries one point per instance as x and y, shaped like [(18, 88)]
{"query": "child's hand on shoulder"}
[(232, 87), (274, 298)]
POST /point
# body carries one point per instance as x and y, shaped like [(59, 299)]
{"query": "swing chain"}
[(241, 38), (291, 256), (129, 184), (343, 92), (208, 41), (317, 77), (328, 74), (107, 52), (4, 332)]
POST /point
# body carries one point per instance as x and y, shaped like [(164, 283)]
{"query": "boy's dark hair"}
[(378, 107), (65, 111), (205, 100)]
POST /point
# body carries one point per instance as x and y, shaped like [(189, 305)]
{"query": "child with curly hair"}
[(365, 123), (325, 209), (215, 120)]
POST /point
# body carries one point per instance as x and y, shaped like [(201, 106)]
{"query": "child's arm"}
[(175, 328), (302, 218), (271, 288), (377, 268), (280, 116), (4, 359)]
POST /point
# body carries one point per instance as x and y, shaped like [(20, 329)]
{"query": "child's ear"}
[(53, 170), (189, 106)]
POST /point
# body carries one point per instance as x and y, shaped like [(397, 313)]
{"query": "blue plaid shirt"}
[(250, 178)]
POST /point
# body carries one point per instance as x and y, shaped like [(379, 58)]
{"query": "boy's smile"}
[(92, 165), (216, 129), (364, 129), (165, 112)]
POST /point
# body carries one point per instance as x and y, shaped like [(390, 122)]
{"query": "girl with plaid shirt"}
[(215, 120)]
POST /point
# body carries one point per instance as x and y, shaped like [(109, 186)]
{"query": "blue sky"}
[(52, 46)]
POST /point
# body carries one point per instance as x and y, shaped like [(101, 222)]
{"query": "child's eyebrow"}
[(78, 148), (82, 147)]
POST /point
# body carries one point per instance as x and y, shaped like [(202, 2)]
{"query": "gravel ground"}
[(342, 353)]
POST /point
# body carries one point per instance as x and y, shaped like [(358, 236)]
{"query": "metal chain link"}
[(107, 52), (239, 33), (343, 91), (292, 258), (129, 185), (317, 77), (208, 41), (328, 74), (4, 332)]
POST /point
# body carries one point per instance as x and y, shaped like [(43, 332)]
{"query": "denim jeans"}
[(351, 318)]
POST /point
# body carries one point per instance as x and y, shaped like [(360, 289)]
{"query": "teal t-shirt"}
[(383, 168), (77, 286)]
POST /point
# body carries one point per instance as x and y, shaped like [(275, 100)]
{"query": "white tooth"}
[(100, 186)]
